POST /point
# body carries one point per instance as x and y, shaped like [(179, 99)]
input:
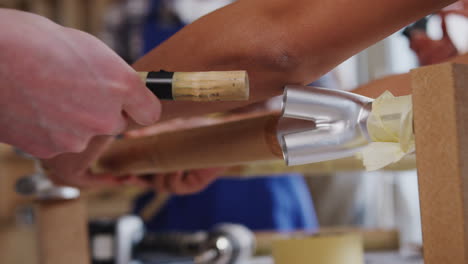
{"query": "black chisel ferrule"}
[(160, 84)]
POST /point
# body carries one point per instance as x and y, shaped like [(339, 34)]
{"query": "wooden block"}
[(12, 167), (62, 232), (320, 249), (17, 244), (440, 101)]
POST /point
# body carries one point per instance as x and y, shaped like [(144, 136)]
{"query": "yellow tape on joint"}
[(390, 126)]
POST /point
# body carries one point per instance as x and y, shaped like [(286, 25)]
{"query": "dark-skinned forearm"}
[(279, 42)]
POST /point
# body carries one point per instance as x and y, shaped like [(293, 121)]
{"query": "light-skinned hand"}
[(61, 87)]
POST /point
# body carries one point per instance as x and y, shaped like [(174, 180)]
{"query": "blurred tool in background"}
[(428, 50), (124, 241)]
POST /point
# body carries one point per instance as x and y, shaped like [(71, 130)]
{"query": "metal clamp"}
[(338, 126), (40, 187)]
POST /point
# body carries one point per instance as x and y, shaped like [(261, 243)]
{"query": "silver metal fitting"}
[(337, 126), (40, 187)]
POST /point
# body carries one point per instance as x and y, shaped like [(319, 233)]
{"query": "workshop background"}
[(387, 200)]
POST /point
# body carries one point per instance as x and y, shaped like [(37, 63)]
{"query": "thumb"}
[(141, 105)]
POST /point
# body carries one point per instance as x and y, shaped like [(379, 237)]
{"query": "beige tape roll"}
[(320, 249)]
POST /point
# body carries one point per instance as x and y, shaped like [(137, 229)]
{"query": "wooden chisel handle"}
[(219, 145), (198, 86)]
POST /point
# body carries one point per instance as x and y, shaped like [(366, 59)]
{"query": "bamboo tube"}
[(220, 145)]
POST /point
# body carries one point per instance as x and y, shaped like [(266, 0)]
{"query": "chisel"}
[(315, 125)]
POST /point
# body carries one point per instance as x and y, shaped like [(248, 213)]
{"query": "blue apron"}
[(280, 203)]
